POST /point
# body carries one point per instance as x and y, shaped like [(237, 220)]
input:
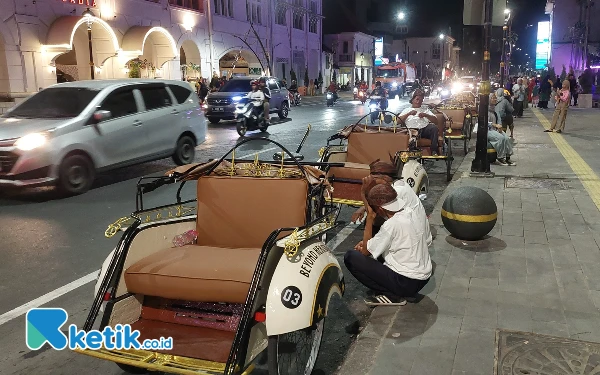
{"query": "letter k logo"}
[(43, 325)]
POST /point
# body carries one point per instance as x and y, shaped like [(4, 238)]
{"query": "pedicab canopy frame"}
[(288, 248)]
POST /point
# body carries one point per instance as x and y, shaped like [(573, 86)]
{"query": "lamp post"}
[(443, 55), (481, 165), (88, 17), (504, 41)]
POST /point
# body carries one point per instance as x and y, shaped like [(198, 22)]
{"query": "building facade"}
[(50, 41), (568, 20), (352, 56), (429, 55)]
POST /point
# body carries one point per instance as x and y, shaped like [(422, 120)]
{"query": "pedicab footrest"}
[(455, 136), (434, 157), (158, 361)]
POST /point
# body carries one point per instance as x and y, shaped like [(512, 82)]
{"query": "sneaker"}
[(511, 163), (382, 300), (559, 131), (501, 162), (548, 131)]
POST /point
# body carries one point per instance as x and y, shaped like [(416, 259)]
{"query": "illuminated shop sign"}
[(378, 51), (542, 51), (87, 3)]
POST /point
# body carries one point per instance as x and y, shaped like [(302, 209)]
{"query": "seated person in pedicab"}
[(382, 172), (407, 265), (257, 98), (501, 143), (420, 117)]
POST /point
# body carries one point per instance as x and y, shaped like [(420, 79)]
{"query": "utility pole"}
[(481, 165), (210, 37)]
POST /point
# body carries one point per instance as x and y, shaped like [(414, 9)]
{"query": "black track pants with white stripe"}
[(380, 278)]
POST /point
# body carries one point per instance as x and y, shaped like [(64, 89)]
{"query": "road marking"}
[(584, 172), (256, 153), (17, 312)]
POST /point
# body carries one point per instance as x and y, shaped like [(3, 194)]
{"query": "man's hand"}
[(365, 184), (359, 246), (371, 214), (358, 214), (412, 113), (422, 114)]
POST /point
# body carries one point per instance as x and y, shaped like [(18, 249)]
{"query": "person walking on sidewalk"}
[(407, 265), (519, 95), (574, 89), (504, 111), (563, 100), (545, 90)]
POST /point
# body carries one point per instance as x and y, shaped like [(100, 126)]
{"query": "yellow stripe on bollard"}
[(584, 172), (470, 218)]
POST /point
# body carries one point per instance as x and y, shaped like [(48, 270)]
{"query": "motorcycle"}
[(376, 105), (246, 120), (295, 98), (362, 96), (330, 98), (427, 90)]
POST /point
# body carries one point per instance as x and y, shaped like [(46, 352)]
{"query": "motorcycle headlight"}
[(236, 98), (457, 86), (372, 106), (329, 96), (471, 86), (445, 92), (395, 84), (355, 90), (31, 141)]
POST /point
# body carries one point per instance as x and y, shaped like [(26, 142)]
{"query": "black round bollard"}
[(469, 213), (491, 153)]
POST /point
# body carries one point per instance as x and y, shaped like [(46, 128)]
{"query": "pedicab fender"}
[(301, 288), (413, 173)]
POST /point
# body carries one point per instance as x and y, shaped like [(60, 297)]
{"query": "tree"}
[(586, 81), (563, 74), (552, 73), (306, 79)]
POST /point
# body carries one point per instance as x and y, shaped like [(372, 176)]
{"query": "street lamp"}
[(88, 14), (442, 56), (401, 15)]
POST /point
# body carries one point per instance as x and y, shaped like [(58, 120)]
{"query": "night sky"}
[(430, 17)]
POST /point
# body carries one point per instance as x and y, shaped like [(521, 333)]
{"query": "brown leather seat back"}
[(365, 148), (241, 212), (457, 116)]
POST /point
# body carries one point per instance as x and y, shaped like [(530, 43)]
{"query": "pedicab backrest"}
[(366, 147), (242, 211), (456, 117)]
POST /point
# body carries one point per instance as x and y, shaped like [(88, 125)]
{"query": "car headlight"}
[(31, 141), (372, 106), (471, 86), (445, 92), (236, 98), (457, 86), (329, 96), (395, 84)]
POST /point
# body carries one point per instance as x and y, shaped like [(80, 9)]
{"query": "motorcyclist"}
[(293, 87), (333, 89), (257, 98), (267, 94), (380, 91)]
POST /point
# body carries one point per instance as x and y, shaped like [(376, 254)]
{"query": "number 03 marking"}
[(287, 297), (291, 297)]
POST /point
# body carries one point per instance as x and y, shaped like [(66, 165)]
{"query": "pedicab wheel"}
[(295, 353), (75, 175), (448, 168), (242, 127), (132, 369), (466, 145), (185, 150), (423, 186)]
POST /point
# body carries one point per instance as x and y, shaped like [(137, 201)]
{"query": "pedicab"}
[(422, 146), (254, 278), (348, 161)]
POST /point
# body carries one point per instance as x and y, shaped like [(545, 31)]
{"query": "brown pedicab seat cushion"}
[(236, 215)]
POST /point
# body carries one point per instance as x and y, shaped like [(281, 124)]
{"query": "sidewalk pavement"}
[(537, 273)]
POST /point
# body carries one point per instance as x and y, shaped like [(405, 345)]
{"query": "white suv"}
[(65, 133)]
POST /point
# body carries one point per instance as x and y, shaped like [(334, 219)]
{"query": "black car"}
[(221, 104)]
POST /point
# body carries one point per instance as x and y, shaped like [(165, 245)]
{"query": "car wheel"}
[(75, 175), (213, 120), (284, 111), (184, 151)]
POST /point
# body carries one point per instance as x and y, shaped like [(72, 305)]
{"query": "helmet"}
[(506, 92), (377, 84)]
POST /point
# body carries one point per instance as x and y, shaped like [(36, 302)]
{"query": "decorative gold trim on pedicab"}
[(157, 361), (348, 202), (291, 243), (170, 212), (406, 155)]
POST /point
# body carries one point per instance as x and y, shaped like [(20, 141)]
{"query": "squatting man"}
[(394, 263)]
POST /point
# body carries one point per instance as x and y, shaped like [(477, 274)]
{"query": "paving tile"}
[(583, 326), (512, 230), (536, 237), (521, 298), (579, 301), (534, 226), (530, 207), (485, 323), (571, 277), (396, 358), (551, 329), (480, 308), (532, 216), (537, 266), (515, 317), (544, 314), (450, 305), (479, 361), (484, 272), (482, 294)]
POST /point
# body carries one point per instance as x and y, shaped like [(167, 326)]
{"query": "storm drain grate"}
[(536, 183), (524, 353)]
